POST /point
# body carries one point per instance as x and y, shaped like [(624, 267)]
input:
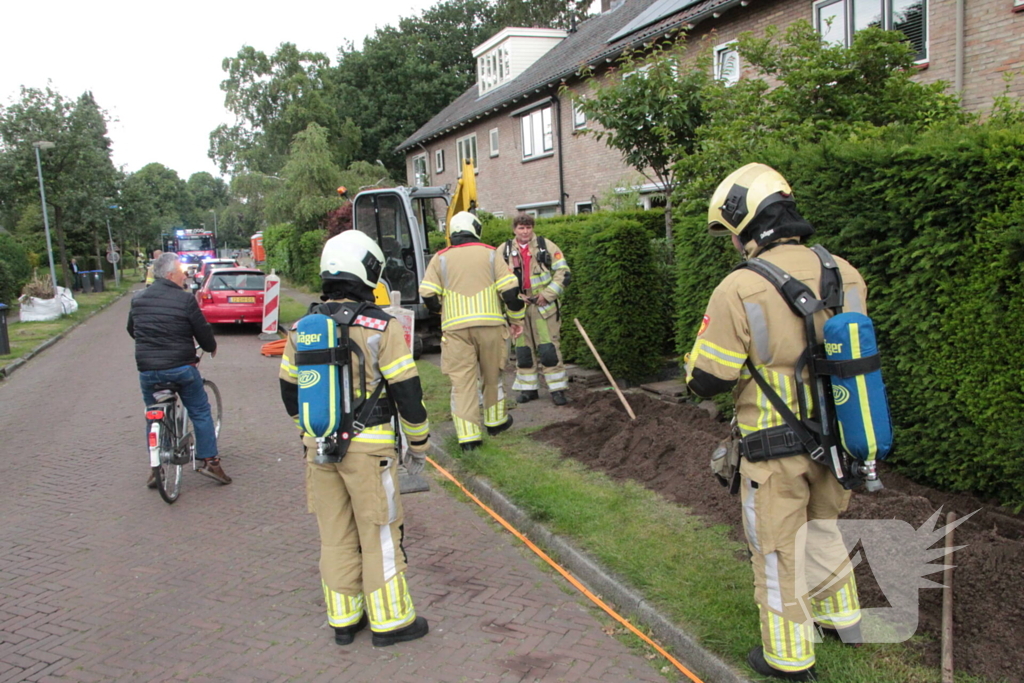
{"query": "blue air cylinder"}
[(862, 406), (319, 393)]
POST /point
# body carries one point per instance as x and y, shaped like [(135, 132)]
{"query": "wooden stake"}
[(947, 604), (606, 373)]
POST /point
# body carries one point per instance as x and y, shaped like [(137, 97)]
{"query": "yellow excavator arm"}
[(464, 198)]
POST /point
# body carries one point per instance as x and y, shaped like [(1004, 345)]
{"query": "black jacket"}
[(163, 321)]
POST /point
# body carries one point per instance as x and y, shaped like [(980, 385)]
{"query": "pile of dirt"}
[(667, 449)]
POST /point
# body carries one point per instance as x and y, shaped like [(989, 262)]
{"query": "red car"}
[(232, 295)]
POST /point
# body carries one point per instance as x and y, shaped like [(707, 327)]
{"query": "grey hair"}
[(165, 264)]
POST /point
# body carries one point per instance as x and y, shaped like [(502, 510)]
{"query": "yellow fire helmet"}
[(743, 195)]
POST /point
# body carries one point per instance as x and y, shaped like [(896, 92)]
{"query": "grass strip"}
[(25, 336), (694, 573)]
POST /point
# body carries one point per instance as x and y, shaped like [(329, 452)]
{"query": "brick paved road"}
[(100, 580)]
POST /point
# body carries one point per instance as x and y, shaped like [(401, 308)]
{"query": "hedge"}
[(935, 223), (15, 269), (294, 254)]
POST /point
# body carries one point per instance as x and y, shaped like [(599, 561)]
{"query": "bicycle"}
[(172, 440)]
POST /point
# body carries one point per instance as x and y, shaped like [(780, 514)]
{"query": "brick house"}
[(519, 129)]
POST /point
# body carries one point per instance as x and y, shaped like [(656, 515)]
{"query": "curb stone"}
[(8, 369), (598, 579)]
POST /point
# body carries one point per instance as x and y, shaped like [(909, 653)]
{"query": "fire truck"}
[(192, 245)]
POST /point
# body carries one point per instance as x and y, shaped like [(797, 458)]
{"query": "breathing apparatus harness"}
[(849, 437), (328, 409), (543, 257)]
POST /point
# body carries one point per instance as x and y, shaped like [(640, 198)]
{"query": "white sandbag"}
[(39, 310)]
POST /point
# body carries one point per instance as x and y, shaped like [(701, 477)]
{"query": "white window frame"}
[(463, 146), (723, 52), (494, 138), (579, 118), (887, 22), (538, 134), (493, 69), (419, 176), (439, 161), (588, 204)]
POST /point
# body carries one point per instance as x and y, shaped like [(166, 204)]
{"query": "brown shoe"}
[(211, 468), (151, 482)]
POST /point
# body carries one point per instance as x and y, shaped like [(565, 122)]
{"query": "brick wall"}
[(993, 46)]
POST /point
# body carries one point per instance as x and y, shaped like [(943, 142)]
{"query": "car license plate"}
[(241, 299)]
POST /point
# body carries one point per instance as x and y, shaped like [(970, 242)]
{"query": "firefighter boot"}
[(558, 397), (494, 431), (850, 636), (416, 629), (527, 396), (344, 635), (756, 661)]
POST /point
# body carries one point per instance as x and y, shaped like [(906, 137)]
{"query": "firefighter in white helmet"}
[(356, 500), (472, 287), (799, 581)]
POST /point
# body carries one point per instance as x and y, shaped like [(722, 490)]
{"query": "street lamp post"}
[(43, 144), (214, 212)]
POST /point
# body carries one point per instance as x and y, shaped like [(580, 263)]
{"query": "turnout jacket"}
[(388, 359), (544, 281), (471, 281), (163, 321), (747, 317)]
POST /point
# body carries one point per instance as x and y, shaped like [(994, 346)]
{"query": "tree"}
[(78, 172), (540, 13), (153, 201), (649, 109), (274, 98), (310, 185)]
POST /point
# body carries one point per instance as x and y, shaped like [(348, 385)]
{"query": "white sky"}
[(156, 67)]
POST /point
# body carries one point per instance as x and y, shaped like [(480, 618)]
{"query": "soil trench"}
[(668, 449)]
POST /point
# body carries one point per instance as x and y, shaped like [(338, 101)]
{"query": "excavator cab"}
[(396, 218)]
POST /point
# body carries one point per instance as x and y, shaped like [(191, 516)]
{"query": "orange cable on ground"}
[(273, 348), (568, 577)]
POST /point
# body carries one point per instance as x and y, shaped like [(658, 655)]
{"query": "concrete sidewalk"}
[(100, 580)]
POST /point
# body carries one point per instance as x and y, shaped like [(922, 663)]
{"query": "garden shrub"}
[(15, 269)]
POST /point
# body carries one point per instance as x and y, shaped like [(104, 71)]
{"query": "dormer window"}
[(493, 68)]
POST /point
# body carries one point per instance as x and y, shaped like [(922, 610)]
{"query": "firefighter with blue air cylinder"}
[(349, 380), (793, 475), (472, 287)]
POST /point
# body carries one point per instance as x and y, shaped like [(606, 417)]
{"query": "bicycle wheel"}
[(216, 408), (168, 474)]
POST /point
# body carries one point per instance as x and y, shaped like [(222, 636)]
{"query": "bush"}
[(616, 295), (935, 223), (15, 269)]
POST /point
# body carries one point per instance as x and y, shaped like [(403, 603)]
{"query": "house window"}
[(419, 170), (838, 20), (727, 63), (439, 161), (584, 207), (494, 142), (579, 118), (493, 69), (537, 137), (467, 152)]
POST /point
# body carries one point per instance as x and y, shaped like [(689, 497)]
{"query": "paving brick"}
[(100, 580)]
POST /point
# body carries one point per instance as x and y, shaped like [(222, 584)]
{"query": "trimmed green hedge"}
[(294, 254), (935, 223), (15, 269)]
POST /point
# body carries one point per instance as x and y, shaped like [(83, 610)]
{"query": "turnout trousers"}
[(473, 358), (802, 573), (538, 348), (362, 561)]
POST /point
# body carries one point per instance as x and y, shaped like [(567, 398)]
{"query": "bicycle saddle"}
[(165, 392)]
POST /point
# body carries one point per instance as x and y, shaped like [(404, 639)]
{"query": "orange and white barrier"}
[(271, 306)]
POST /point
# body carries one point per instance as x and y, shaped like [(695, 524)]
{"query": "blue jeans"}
[(193, 395)]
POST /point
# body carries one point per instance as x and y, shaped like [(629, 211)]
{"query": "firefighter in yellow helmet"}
[(802, 575), (356, 500), (472, 287)]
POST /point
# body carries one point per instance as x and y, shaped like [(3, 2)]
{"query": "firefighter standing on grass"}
[(782, 488), (356, 500), (543, 275), (468, 283)]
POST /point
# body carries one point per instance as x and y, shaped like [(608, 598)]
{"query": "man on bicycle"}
[(165, 322)]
